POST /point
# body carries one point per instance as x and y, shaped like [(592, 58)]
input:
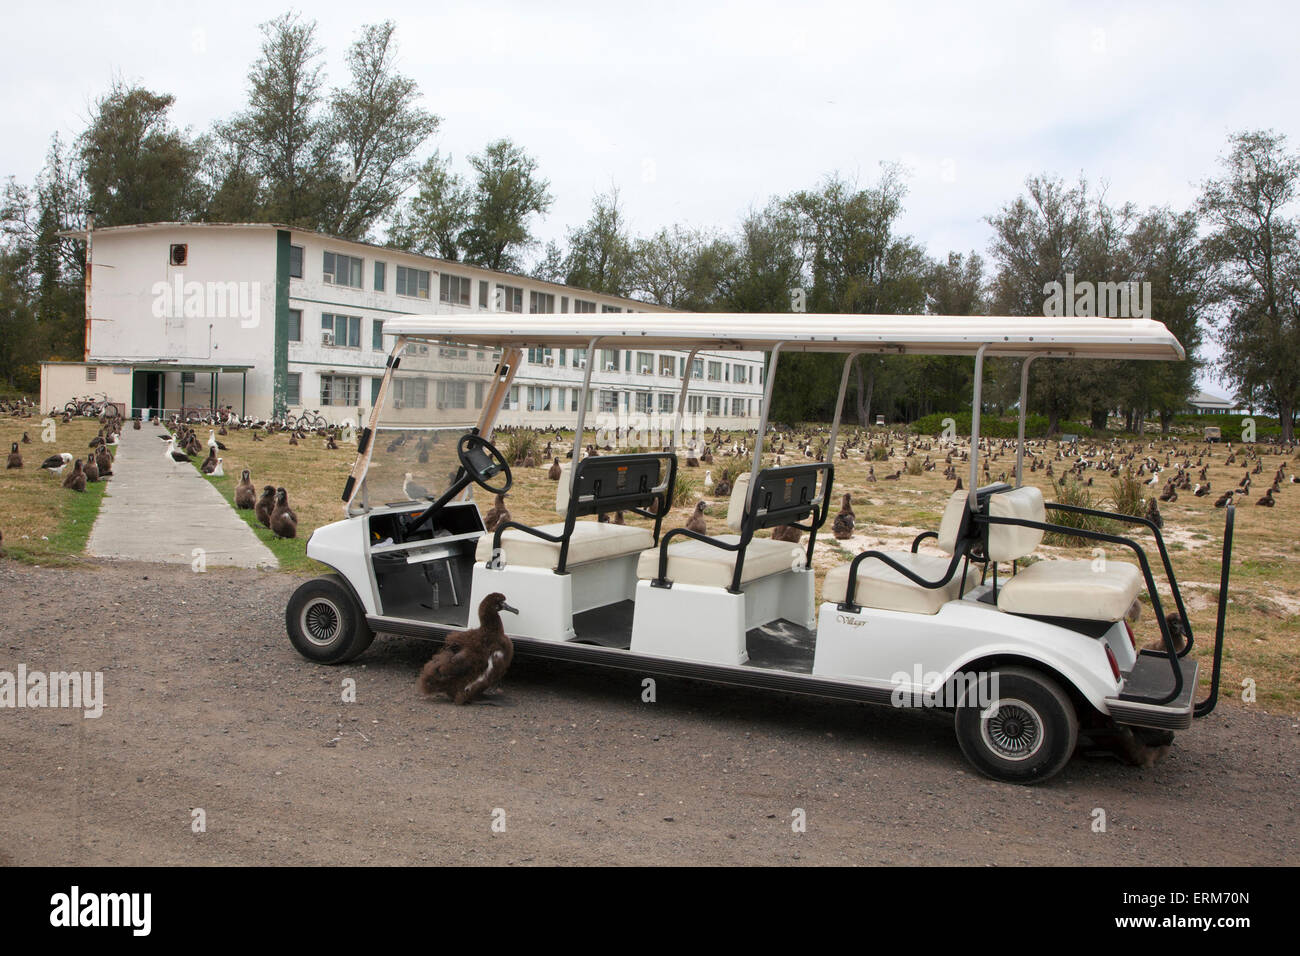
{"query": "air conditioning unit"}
[(645, 369), (327, 338), (582, 363), (549, 360), (611, 366)]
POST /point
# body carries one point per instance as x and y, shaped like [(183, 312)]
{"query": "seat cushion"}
[(1009, 542), (591, 541), (694, 562), (880, 586), (1087, 590)]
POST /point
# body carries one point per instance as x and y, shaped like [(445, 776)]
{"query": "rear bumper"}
[(1151, 677)]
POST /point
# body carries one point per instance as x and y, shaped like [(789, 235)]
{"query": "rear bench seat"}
[(1078, 589), (882, 587)]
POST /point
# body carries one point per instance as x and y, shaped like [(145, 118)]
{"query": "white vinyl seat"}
[(590, 541), (1102, 590), (882, 587), (694, 562)]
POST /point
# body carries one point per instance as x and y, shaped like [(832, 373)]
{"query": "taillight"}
[(1131, 639), (1114, 664)]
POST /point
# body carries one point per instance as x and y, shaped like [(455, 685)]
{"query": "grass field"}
[(1263, 624), (44, 523)]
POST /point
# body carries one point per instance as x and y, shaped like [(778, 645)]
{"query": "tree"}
[(600, 251), (681, 268), (507, 193), (19, 350), (1255, 253), (376, 126), (434, 220), (136, 166), (283, 133)]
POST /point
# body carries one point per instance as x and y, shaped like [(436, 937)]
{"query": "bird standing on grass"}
[(76, 479), (265, 505), (56, 463), (15, 457), (245, 493), (284, 523)]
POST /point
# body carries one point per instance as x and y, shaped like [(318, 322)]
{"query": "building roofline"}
[(451, 264)]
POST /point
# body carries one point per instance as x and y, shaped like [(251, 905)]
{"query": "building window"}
[(452, 353), (452, 394), (341, 390), (715, 371), (342, 270), (714, 406), (539, 399), (609, 360), (738, 374), (666, 365), (413, 283), (582, 305), (697, 368), (411, 392), (610, 308), (341, 331), (608, 401), (482, 294), (579, 359), (293, 389), (645, 363), (694, 403), (644, 401), (377, 334), (187, 378), (541, 303), (666, 402), (380, 275), (540, 357), (295, 262), (478, 394), (295, 325), (454, 289), (564, 303), (375, 383), (509, 299)]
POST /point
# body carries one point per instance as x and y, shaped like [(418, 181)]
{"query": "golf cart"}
[(1024, 651)]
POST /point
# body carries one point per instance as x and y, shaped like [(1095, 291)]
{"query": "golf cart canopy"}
[(1005, 336)]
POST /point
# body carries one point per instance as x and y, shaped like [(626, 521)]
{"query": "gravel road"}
[(207, 706)]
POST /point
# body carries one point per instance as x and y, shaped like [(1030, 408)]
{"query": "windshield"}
[(438, 393)]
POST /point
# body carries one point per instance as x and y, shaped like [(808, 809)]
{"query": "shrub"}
[(519, 444), (684, 490), (912, 466), (1128, 495), (1071, 491), (878, 453)]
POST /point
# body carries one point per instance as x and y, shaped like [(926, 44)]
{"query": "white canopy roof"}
[(799, 332)]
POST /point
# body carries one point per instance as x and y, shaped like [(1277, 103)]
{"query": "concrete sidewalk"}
[(162, 511)]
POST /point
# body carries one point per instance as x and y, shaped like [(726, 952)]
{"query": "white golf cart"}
[(1024, 660)]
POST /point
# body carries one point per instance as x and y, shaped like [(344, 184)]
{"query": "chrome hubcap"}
[(1014, 731), (320, 621)]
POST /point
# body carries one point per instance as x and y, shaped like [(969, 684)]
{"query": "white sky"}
[(699, 110)]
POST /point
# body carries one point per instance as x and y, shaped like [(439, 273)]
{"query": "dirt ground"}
[(207, 706)]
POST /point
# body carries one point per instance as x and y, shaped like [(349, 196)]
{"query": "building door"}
[(146, 394)]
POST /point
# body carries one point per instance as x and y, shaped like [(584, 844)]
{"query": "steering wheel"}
[(481, 460)]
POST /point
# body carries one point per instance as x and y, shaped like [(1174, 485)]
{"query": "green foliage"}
[(685, 489), (507, 193), (519, 444), (1071, 491), (990, 427), (1229, 426), (1128, 495)]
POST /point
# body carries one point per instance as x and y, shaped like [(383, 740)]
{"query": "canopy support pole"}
[(582, 413), (681, 398), (762, 425), (839, 403), (977, 400), (1024, 397)]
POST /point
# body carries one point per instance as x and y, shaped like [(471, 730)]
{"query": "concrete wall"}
[(62, 383)]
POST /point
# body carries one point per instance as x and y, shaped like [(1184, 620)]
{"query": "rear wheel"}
[(325, 622), (1026, 735)]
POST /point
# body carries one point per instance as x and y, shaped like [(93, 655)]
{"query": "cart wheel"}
[(325, 623), (1028, 736)]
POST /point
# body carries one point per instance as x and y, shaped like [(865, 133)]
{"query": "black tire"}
[(325, 622), (1029, 737)]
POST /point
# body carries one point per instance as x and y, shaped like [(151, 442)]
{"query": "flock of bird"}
[(271, 508), (96, 466)]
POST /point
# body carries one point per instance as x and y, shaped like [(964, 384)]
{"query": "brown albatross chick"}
[(245, 492), (284, 523), (265, 505), (471, 662)]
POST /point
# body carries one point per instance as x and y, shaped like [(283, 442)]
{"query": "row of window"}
[(407, 392), (344, 270), (544, 398), (650, 363)]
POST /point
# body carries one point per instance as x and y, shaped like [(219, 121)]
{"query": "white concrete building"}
[(269, 319)]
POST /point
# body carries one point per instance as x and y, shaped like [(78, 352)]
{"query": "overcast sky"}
[(699, 110)]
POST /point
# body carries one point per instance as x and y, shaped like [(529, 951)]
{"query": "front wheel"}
[(325, 622), (1025, 735)]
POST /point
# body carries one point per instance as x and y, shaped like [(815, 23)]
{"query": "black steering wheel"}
[(481, 460)]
